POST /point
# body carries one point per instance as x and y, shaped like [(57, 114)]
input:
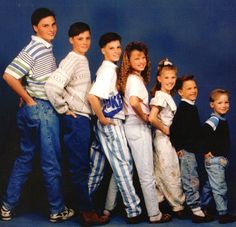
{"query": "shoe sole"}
[(6, 218)]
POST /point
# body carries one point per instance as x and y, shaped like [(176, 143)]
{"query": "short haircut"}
[(180, 81), (39, 14), (77, 28), (216, 93), (107, 38)]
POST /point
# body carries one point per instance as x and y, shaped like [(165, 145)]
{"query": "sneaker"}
[(6, 214), (64, 215), (227, 218)]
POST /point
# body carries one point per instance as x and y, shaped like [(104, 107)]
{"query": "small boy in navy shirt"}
[(216, 143), (185, 136)]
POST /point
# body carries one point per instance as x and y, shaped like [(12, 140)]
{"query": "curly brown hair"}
[(126, 69), (164, 64)]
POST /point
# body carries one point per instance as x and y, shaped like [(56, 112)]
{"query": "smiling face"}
[(81, 43), (112, 51), (46, 28), (167, 79), (221, 104), (138, 61), (189, 90)]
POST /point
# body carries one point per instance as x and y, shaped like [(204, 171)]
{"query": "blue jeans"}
[(77, 141), (190, 180), (216, 183), (39, 128)]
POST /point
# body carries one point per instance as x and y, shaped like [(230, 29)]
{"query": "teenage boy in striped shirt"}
[(36, 119)]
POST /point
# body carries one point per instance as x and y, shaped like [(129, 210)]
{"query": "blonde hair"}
[(163, 65), (216, 93)]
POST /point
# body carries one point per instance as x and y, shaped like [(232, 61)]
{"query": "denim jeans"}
[(77, 141), (190, 180), (215, 168), (39, 128), (139, 139)]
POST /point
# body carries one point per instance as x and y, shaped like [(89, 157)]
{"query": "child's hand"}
[(166, 130), (180, 153), (208, 155), (105, 121), (69, 112)]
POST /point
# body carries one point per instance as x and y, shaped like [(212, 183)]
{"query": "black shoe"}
[(200, 219), (136, 219), (227, 218), (181, 214)]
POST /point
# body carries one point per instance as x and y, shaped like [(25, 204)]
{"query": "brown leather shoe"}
[(89, 218)]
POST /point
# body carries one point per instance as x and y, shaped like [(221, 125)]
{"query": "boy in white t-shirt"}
[(107, 104)]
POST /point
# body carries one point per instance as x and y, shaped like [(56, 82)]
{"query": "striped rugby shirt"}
[(36, 61)]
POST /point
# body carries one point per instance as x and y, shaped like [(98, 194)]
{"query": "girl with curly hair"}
[(134, 76)]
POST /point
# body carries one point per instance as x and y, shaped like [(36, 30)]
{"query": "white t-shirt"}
[(105, 88), (135, 87)]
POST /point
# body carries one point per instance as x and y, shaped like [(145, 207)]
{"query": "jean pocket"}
[(32, 114), (222, 161)]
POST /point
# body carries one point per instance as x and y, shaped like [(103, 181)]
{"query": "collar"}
[(40, 40), (188, 101), (218, 116), (109, 63), (78, 55)]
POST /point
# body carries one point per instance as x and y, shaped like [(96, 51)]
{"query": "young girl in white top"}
[(134, 76), (166, 164)]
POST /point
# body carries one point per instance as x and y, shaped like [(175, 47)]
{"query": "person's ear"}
[(71, 40), (212, 105), (103, 51), (180, 92), (35, 28)]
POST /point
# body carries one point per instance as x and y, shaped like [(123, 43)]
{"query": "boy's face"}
[(189, 90), (221, 104), (46, 28), (81, 43), (112, 51)]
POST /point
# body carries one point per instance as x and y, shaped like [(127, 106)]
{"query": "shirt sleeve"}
[(134, 87), (207, 137), (158, 100), (104, 83), (20, 66), (55, 85)]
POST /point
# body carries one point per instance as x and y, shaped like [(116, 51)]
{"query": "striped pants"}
[(114, 144)]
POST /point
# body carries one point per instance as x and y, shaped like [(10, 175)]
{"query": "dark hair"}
[(39, 14), (126, 68), (180, 81), (77, 28), (164, 64), (107, 38), (216, 93)]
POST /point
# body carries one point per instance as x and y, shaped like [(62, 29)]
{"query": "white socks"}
[(197, 211), (155, 217)]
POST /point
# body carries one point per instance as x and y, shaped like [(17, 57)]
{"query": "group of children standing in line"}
[(122, 129)]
